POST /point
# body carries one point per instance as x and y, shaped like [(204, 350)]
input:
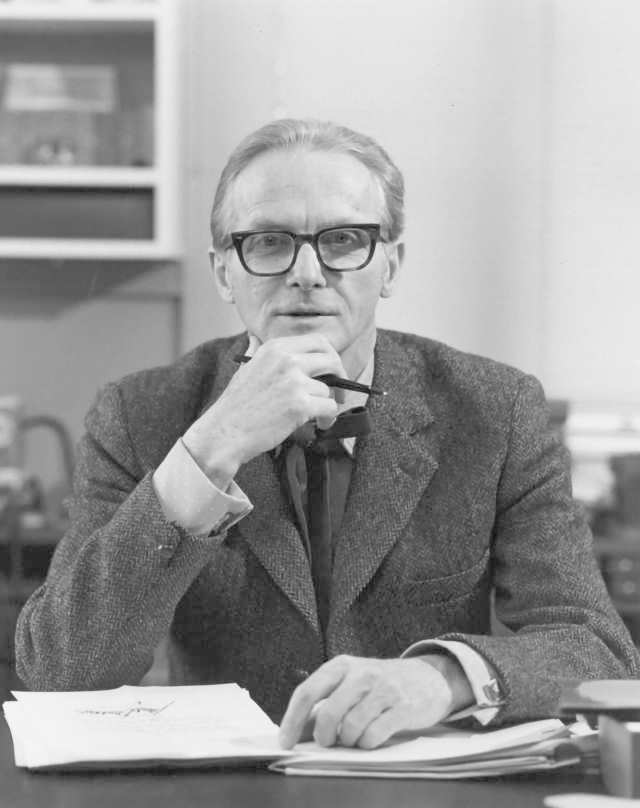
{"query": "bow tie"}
[(353, 423)]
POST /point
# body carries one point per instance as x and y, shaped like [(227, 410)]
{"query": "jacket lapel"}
[(273, 537), (394, 465), (269, 529)]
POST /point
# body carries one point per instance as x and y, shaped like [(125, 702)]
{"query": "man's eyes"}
[(266, 241), (343, 238)]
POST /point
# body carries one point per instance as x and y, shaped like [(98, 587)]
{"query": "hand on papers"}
[(366, 701)]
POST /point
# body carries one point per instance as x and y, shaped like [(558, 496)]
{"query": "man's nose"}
[(306, 272)]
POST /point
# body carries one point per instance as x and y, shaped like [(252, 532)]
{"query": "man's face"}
[(303, 191)]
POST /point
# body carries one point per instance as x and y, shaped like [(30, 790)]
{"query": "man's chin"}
[(295, 326), (288, 326)]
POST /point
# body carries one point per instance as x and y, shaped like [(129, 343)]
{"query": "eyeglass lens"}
[(339, 248)]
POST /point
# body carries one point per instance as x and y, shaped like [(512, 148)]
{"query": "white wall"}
[(592, 264), (451, 89), (516, 124), (55, 353)]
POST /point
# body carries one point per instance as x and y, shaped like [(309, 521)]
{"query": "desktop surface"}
[(249, 788)]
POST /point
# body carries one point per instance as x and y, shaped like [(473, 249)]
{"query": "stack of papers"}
[(220, 724), (445, 753), (129, 726)]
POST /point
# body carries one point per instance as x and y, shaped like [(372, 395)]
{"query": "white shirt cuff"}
[(479, 672), (189, 498)]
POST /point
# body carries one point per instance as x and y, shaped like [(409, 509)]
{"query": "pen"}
[(331, 380)]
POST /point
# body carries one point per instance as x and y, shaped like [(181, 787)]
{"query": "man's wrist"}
[(452, 671), (217, 456)]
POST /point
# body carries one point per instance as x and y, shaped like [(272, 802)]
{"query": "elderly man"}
[(334, 551)]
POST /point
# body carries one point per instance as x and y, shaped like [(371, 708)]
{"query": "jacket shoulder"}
[(469, 391), (156, 405), (439, 361)]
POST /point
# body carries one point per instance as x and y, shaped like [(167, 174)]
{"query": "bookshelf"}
[(88, 134)]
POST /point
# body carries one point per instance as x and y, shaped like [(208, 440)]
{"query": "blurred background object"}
[(605, 450), (31, 523)]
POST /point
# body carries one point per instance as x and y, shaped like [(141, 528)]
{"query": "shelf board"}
[(15, 14), (42, 288), (75, 249), (78, 176)]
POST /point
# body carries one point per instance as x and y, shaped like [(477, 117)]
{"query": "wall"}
[(592, 235), (516, 126), (55, 353), (453, 90)]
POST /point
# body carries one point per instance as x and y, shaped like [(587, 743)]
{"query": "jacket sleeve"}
[(115, 577), (549, 592)]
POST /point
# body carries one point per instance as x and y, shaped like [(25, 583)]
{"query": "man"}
[(351, 593)]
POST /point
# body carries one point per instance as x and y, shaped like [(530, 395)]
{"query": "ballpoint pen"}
[(332, 380)]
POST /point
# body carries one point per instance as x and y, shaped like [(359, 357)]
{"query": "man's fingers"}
[(331, 714), (339, 394), (363, 713), (318, 686), (382, 728), (319, 364), (320, 389)]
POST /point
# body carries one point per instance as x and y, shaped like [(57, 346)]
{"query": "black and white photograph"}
[(320, 403)]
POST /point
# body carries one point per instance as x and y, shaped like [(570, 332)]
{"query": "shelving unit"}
[(89, 178), (88, 108), (619, 559)]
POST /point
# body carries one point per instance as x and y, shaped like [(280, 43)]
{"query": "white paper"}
[(589, 801), (439, 744), (210, 722), (461, 772), (218, 723)]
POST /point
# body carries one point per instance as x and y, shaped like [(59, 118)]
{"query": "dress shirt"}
[(190, 500)]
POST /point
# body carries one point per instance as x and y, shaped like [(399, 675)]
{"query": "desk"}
[(248, 788)]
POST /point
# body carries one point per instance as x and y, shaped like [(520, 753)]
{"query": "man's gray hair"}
[(314, 135)]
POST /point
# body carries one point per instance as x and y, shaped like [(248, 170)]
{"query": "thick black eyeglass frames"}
[(273, 252)]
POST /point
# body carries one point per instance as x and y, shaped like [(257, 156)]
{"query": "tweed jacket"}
[(459, 497)]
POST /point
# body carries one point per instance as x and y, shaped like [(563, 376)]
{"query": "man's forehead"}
[(301, 182)]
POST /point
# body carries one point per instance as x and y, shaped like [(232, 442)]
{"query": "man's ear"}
[(395, 257), (221, 274)]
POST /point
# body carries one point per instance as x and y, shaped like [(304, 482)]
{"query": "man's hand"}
[(356, 701), (265, 401)]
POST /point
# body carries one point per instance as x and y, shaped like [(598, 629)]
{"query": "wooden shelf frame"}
[(78, 176), (85, 12), (157, 18)]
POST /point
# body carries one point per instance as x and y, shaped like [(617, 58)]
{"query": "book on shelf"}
[(220, 725)]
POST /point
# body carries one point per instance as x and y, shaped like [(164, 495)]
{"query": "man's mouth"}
[(305, 313)]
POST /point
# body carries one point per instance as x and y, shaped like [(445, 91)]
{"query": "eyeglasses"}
[(274, 252)]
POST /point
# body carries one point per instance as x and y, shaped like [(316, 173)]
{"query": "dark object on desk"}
[(613, 697), (331, 380), (619, 743)]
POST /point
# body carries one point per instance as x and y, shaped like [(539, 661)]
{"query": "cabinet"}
[(88, 130)]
